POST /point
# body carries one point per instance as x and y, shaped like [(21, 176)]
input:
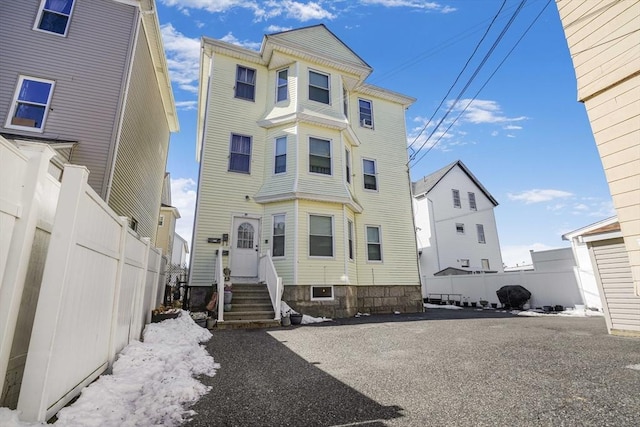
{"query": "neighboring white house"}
[(455, 223), (585, 267), (180, 250)]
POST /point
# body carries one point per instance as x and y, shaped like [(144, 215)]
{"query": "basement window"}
[(321, 293)]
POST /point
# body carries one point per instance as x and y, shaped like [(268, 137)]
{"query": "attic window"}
[(472, 202)]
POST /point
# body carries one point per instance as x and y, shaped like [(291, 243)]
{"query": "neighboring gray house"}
[(90, 78), (455, 225)]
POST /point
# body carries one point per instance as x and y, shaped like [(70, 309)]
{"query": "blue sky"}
[(517, 126)]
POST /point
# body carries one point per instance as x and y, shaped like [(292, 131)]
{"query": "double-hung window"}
[(485, 264), (366, 113), (459, 228), (240, 154), (472, 201), (278, 235), (319, 156), (282, 84), (30, 104), (347, 165), (374, 244), (480, 229), (320, 236), (54, 16), (319, 87), (280, 155), (456, 198), (350, 239), (370, 174), (245, 83)]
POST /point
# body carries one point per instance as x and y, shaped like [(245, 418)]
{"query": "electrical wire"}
[(485, 83)]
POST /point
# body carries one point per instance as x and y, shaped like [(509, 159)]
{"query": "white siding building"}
[(455, 224)]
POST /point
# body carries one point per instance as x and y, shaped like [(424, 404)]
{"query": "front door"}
[(244, 250)]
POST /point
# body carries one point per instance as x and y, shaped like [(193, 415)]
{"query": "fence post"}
[(12, 285), (154, 289), (34, 391), (113, 336)]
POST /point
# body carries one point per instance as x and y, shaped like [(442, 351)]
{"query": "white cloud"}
[(230, 38), (537, 196), (186, 105), (183, 58), (183, 197), (299, 11), (512, 127), (482, 111), (213, 6), (276, 29), (414, 4)]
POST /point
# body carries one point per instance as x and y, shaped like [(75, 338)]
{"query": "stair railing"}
[(220, 283), (268, 275)]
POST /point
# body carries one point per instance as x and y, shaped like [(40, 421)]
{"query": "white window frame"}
[(485, 264), (275, 155), (333, 240), (363, 121), (464, 262), (366, 237), (459, 228), (482, 238), (330, 156), (161, 221), (456, 198), (250, 153), (348, 169), (472, 201), (331, 298), (375, 174), (42, 11), (351, 241), (285, 85), (274, 235), (16, 101), (254, 83), (328, 88)]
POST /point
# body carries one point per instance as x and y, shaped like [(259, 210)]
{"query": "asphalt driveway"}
[(440, 368)]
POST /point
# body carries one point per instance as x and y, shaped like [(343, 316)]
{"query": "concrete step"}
[(248, 315), (258, 306), (246, 324)]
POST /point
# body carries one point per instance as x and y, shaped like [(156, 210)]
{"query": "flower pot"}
[(227, 297), (211, 322), (285, 321), (494, 305), (296, 318)]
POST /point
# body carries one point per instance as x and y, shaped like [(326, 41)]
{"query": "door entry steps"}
[(250, 308)]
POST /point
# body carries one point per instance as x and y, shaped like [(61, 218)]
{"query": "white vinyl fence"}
[(547, 288), (94, 286)]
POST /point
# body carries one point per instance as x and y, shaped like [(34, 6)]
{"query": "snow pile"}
[(152, 381), (565, 313), (444, 306), (286, 310)]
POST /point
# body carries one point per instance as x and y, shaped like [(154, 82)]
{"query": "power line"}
[(444, 98), (473, 76), (485, 83)]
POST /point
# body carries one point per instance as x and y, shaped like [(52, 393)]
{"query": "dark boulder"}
[(513, 296)]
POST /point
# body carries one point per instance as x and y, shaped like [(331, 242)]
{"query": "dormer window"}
[(319, 87), (366, 113)]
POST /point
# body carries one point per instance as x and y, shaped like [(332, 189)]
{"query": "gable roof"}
[(610, 224), (427, 183), (317, 44)]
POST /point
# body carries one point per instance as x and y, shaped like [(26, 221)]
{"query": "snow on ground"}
[(286, 310), (443, 306), (152, 382), (566, 313)]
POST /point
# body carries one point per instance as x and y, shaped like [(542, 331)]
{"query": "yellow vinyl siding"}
[(136, 188), (320, 270), (284, 265), (279, 184)]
